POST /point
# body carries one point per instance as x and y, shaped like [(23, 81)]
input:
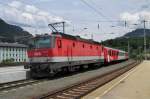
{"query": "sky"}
[(81, 16)]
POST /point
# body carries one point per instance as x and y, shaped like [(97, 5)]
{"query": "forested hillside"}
[(10, 33), (136, 42)]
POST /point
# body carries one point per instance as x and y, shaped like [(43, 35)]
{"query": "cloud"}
[(27, 15), (31, 9), (16, 4), (44, 0), (126, 16), (144, 15), (135, 18)]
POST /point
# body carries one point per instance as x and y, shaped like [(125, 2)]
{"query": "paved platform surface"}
[(135, 84), (9, 74), (11, 69)]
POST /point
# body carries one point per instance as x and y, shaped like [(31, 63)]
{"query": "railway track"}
[(17, 84), (80, 89)]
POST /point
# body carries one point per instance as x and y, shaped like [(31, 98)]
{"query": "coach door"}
[(106, 56)]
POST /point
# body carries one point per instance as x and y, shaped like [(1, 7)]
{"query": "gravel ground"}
[(28, 92)]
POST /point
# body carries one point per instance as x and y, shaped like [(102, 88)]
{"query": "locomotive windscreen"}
[(41, 42)]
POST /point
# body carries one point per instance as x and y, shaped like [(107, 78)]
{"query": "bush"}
[(8, 61)]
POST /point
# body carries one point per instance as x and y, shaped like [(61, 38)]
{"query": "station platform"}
[(134, 84), (14, 73)]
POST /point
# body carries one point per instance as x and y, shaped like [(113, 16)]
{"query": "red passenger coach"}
[(111, 55), (50, 54)]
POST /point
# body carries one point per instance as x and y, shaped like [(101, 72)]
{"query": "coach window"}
[(117, 53), (59, 43), (109, 52)]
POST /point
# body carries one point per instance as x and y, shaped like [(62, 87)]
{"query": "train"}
[(52, 53)]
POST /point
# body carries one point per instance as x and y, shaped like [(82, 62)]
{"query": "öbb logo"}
[(37, 54)]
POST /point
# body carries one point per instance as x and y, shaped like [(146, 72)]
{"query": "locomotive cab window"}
[(43, 42)]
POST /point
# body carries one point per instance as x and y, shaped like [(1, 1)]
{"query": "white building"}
[(15, 51)]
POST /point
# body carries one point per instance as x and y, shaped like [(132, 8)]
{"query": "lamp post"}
[(144, 36), (128, 47), (140, 49), (144, 41), (128, 44)]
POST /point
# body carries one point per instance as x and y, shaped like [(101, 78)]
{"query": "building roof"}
[(12, 45)]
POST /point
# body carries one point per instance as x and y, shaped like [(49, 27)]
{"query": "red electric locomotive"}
[(57, 52)]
